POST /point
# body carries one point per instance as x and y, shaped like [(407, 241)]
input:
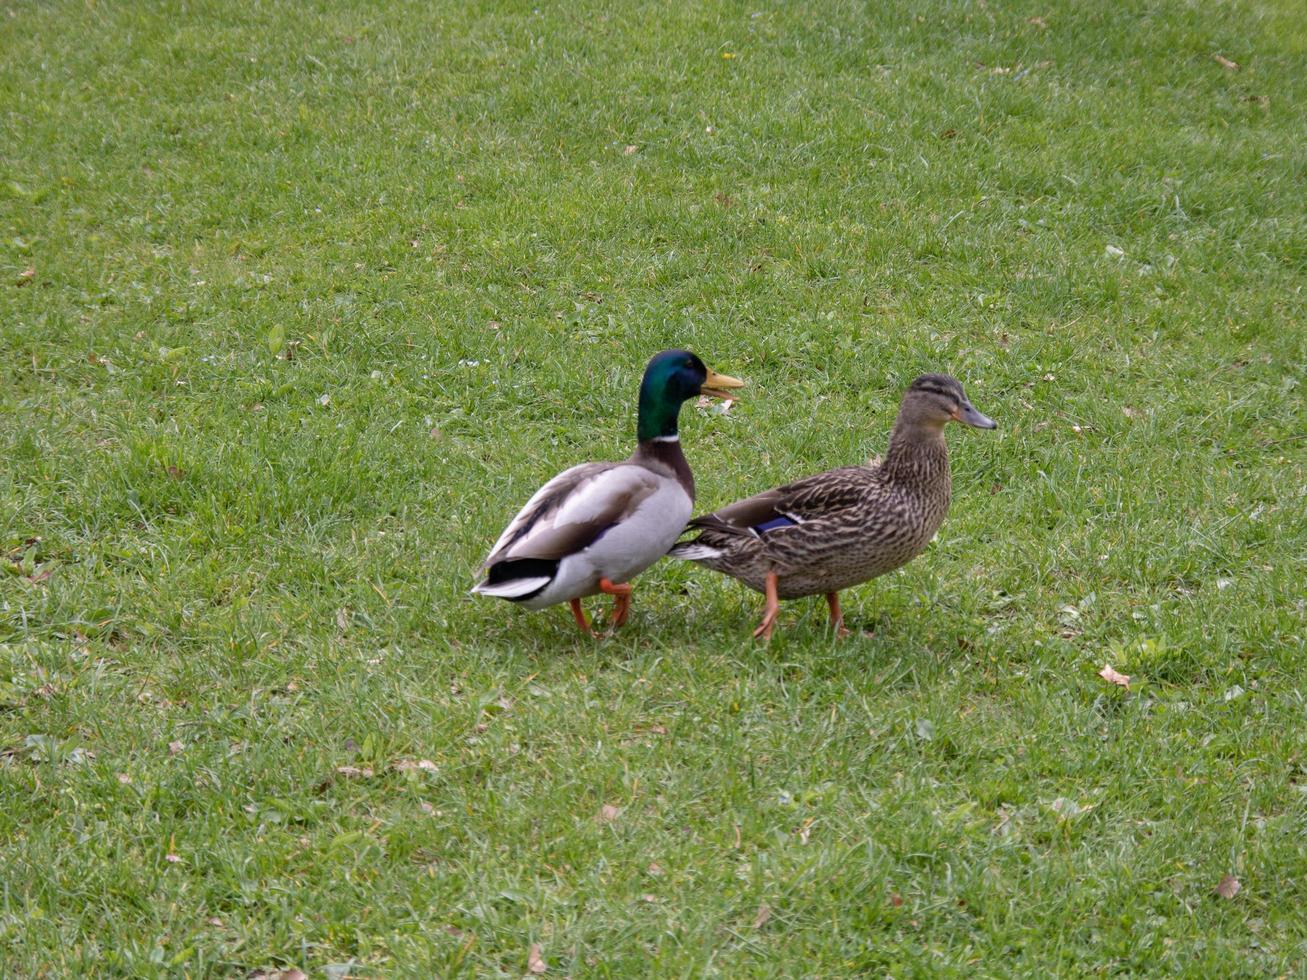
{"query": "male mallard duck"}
[(596, 526), (845, 526)]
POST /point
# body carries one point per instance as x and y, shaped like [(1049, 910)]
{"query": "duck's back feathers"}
[(597, 520), (572, 510), (794, 503)]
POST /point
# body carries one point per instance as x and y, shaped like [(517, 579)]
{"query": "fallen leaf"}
[(174, 473), (355, 772), (925, 729), (1038, 22), (896, 899), (1228, 887), (1128, 412), (175, 747), (125, 779), (411, 765), (1114, 677), (26, 276), (172, 858), (763, 914), (1228, 65), (214, 921), (608, 813), (426, 808), (648, 898), (628, 150), (535, 962), (655, 869)]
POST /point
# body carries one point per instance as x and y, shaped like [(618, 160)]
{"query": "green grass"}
[(298, 303)]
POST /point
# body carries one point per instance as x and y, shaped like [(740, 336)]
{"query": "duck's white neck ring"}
[(671, 438)]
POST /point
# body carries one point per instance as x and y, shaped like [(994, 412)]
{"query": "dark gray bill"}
[(968, 415)]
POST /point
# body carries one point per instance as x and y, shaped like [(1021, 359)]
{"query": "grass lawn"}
[(299, 303)]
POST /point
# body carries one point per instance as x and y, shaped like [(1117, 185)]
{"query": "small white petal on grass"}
[(1069, 809), (324, 400), (535, 960), (1234, 693), (1114, 251), (172, 858), (427, 808), (608, 813), (1113, 676), (1224, 583), (1228, 887), (761, 916)]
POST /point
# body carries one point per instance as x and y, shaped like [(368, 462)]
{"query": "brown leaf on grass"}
[(175, 473), (175, 747), (1228, 887), (535, 961), (26, 276), (763, 914), (1038, 22), (608, 813), (896, 899), (1225, 63), (355, 772), (628, 150), (1114, 676)]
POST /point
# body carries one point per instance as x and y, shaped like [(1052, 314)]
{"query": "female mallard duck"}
[(596, 526), (845, 526)]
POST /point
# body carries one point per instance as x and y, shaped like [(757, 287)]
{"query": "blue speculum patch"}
[(773, 524)]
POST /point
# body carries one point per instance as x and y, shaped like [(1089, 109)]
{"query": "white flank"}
[(513, 588)]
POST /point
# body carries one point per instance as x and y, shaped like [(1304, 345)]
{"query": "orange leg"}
[(836, 617), (770, 610), (579, 614), (621, 594)]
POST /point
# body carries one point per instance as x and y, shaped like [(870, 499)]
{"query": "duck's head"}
[(934, 400), (670, 378)]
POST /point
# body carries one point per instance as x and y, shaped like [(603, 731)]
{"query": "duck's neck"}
[(917, 455), (664, 453), (660, 442)]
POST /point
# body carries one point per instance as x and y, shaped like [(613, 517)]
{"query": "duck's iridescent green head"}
[(670, 378)]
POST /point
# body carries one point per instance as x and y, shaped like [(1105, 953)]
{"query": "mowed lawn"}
[(299, 303)]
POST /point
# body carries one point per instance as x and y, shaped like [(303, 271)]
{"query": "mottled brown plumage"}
[(837, 529)]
